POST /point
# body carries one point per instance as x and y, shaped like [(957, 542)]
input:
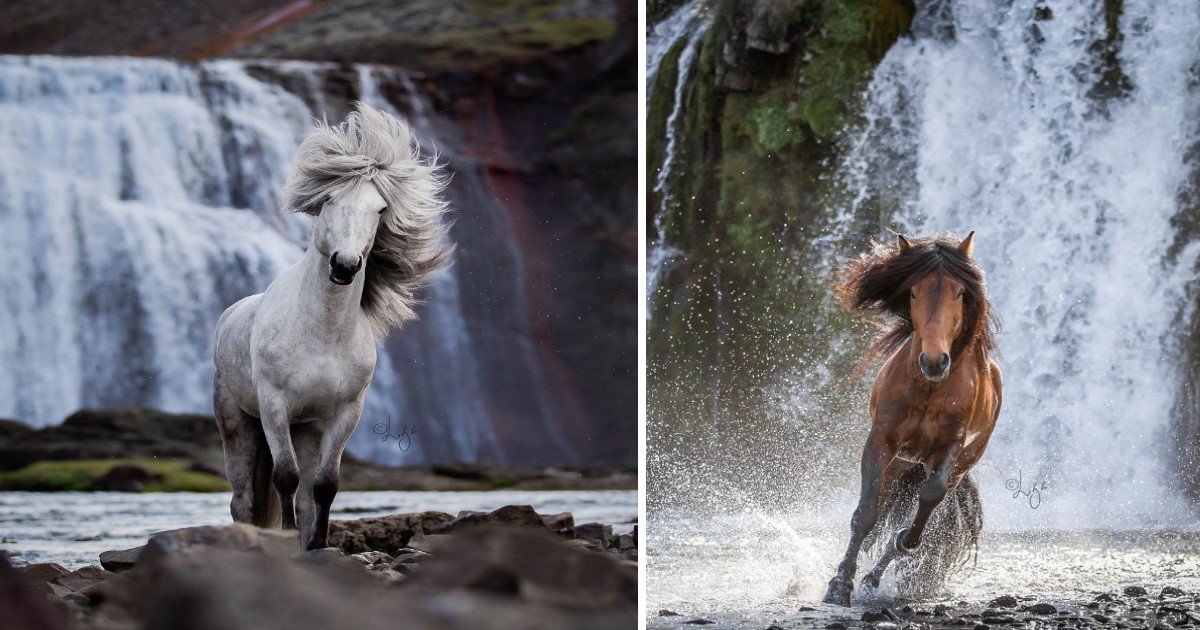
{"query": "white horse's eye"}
[(382, 209)]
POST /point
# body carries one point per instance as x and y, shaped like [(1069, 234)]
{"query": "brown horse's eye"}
[(961, 293), (912, 295)]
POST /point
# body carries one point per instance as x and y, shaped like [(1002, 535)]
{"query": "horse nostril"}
[(944, 361), (923, 362)]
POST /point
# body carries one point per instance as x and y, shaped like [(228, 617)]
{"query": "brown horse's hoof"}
[(839, 592), (901, 548)]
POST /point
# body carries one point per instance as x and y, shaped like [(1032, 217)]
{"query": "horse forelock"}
[(880, 280), (412, 242)]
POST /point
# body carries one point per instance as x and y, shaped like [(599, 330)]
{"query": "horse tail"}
[(951, 534), (264, 506)]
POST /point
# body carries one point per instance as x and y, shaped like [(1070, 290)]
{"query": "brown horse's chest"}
[(927, 430)]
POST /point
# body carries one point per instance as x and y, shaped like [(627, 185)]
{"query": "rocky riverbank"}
[(1132, 607), (509, 568), (136, 450)]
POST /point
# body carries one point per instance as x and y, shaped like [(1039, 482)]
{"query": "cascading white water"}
[(688, 24), (139, 198), (988, 119)]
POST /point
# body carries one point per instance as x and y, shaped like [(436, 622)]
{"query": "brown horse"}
[(937, 397)]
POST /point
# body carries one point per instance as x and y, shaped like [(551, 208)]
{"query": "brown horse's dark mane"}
[(880, 279)]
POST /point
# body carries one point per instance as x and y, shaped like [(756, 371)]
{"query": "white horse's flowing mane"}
[(412, 243)]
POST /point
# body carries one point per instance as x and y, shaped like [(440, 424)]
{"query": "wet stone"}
[(1043, 609), (1004, 601), (1134, 591)]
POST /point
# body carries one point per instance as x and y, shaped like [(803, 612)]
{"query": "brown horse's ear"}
[(903, 243), (968, 245)]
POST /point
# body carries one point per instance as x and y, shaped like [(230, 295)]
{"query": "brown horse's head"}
[(936, 293), (936, 310)]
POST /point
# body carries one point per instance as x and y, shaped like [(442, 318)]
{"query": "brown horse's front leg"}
[(874, 462), (933, 490)]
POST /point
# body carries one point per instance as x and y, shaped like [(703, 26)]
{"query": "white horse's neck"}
[(334, 308)]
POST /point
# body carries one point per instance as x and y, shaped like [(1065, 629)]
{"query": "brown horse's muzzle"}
[(934, 370)]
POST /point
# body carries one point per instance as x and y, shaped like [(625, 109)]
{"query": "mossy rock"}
[(81, 475)]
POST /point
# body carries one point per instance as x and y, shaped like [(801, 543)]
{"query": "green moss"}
[(79, 475)]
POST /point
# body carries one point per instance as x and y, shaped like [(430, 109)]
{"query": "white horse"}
[(294, 362)]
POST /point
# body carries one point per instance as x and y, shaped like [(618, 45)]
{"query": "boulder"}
[(371, 558), (22, 606), (83, 578), (510, 515), (528, 566), (562, 523), (1004, 601), (120, 560), (624, 542), (124, 478), (236, 537), (383, 533), (42, 572), (599, 532)]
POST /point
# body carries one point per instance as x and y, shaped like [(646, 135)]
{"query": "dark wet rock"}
[(1101, 618), (371, 558), (1134, 591), (1004, 601), (385, 533), (624, 542), (941, 610), (115, 434), (700, 622), (236, 537), (982, 626), (121, 559), (123, 478), (580, 543), (83, 578), (1171, 591), (426, 543), (509, 515), (528, 565), (482, 577), (667, 613), (774, 626), (20, 602), (1043, 609), (42, 572), (598, 532), (883, 614), (835, 625), (562, 524)]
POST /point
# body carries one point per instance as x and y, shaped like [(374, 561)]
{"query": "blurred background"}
[(145, 145)]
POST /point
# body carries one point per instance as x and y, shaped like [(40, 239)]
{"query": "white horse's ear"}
[(967, 246), (903, 243)]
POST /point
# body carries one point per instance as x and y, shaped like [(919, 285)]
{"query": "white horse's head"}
[(344, 230), (378, 209)]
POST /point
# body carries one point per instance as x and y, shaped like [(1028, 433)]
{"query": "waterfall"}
[(1065, 147), (687, 24), (139, 198)]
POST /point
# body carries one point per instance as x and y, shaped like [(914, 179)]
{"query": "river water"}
[(756, 569), (72, 528)]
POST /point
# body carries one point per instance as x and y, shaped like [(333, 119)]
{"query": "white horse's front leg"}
[(325, 481), (285, 475)]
